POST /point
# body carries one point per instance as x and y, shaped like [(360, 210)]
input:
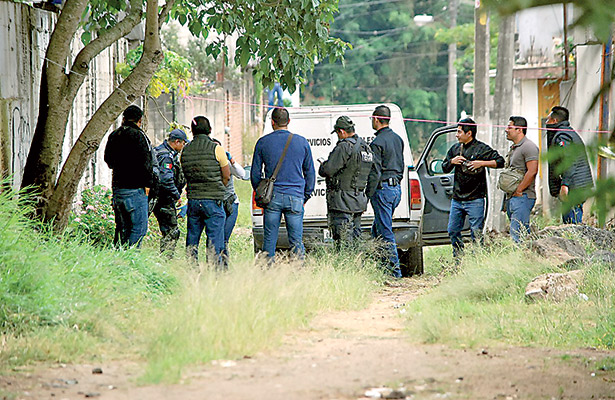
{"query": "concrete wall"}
[(25, 34)]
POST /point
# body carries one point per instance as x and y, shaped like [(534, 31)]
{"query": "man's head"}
[(200, 126), (466, 130), (516, 129), (558, 114), (177, 139), (133, 114), (344, 127), (279, 118), (381, 117)]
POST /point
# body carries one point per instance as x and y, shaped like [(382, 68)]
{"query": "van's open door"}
[(437, 186)]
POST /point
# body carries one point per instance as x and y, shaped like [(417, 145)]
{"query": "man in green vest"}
[(206, 169)]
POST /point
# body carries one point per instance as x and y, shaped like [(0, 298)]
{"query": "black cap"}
[(178, 134), (344, 123)]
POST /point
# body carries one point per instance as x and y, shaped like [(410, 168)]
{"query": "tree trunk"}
[(59, 205), (503, 108), (46, 150)]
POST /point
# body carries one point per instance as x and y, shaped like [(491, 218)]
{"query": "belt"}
[(391, 181)]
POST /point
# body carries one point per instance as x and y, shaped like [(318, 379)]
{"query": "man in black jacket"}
[(172, 183), (346, 170), (129, 155), (383, 184), (578, 175), (469, 158)]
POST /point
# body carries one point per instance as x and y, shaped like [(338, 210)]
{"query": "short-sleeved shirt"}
[(221, 156), (519, 155)]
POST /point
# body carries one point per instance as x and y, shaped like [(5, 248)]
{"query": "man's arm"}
[(336, 161), (489, 158), (238, 171), (225, 169), (448, 164), (530, 174), (256, 170), (373, 179), (167, 177)]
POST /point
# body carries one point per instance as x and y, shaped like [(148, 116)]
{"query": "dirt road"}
[(346, 355)]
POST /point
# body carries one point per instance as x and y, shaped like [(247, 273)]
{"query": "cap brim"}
[(333, 131)]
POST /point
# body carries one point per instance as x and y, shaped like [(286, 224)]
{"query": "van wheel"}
[(411, 261)]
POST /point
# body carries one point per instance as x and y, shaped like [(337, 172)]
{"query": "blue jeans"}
[(277, 88), (131, 211), (229, 224), (292, 208), (384, 202), (475, 211), (574, 216), (518, 210), (209, 215)]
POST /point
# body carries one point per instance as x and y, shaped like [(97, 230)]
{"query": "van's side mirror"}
[(435, 167)]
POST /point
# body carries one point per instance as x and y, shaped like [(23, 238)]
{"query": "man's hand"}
[(476, 164), (458, 160), (563, 192), (517, 193)]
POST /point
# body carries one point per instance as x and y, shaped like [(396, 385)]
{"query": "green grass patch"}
[(60, 297), (236, 314), (63, 299), (483, 303)]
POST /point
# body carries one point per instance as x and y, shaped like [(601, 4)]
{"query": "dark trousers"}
[(345, 227), (166, 214)]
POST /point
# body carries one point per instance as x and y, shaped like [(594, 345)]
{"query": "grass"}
[(237, 314), (483, 303), (64, 300)]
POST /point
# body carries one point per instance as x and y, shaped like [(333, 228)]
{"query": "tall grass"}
[(484, 304), (64, 300), (60, 298), (236, 314)]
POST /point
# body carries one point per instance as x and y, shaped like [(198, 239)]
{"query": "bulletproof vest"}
[(354, 176)]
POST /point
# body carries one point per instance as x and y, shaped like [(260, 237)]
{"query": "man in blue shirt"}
[(293, 186)]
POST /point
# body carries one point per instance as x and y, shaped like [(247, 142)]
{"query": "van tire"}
[(411, 261)]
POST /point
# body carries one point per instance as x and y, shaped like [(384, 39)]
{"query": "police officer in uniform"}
[(172, 183), (383, 188), (346, 171)]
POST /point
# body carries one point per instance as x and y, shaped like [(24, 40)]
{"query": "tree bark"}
[(46, 148), (503, 108), (59, 205)]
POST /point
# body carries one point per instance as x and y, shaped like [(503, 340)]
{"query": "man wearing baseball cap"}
[(346, 172), (172, 183)]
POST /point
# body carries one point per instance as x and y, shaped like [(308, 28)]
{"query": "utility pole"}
[(451, 93), (481, 70), (502, 109)]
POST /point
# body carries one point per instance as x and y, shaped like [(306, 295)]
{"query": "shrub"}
[(94, 217)]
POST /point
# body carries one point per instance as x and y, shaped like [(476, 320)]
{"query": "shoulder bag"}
[(510, 178), (264, 191)]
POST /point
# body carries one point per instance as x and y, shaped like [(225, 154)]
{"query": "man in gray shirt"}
[(523, 157)]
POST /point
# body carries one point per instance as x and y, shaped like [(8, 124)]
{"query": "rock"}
[(555, 286), (603, 257), (601, 238), (97, 370), (92, 394), (565, 252)]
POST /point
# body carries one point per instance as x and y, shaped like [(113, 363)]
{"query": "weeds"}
[(484, 303)]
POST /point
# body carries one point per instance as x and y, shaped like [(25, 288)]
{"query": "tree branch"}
[(59, 43), (164, 12), (81, 65)]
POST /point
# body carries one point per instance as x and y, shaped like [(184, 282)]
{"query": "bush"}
[(94, 217)]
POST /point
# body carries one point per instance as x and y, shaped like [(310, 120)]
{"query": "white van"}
[(315, 124)]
